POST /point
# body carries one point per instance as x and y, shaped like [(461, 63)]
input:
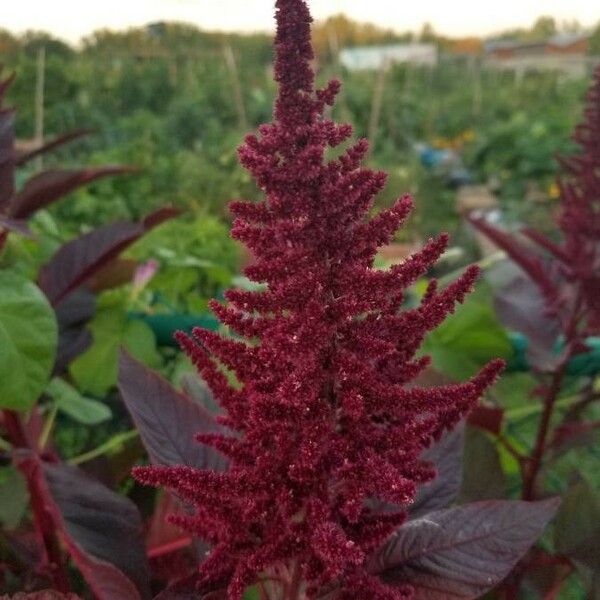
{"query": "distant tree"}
[(571, 26), (544, 28), (8, 42), (32, 41), (428, 33), (339, 31)]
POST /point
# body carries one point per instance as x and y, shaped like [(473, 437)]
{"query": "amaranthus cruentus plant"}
[(561, 279), (322, 430)]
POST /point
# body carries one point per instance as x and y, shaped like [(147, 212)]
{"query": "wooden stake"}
[(237, 88), (39, 101)]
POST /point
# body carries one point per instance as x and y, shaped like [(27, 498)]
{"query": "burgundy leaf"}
[(166, 419), (546, 243), (163, 537), (15, 224), (488, 418), (574, 434), (101, 530), (116, 273), (47, 187), (61, 140), (74, 338), (520, 254), (443, 490), (521, 307), (462, 552), (76, 261)]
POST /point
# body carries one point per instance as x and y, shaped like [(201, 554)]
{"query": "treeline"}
[(176, 101)]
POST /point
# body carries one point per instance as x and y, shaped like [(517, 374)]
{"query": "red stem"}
[(293, 590), (42, 519), (535, 462), (170, 547), (533, 466)]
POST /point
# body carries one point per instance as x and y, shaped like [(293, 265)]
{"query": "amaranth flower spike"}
[(322, 420)]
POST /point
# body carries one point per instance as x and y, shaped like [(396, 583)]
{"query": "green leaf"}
[(28, 340), (468, 339), (95, 371), (577, 531), (79, 408), (14, 497)]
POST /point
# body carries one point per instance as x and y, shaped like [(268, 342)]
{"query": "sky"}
[(73, 19)]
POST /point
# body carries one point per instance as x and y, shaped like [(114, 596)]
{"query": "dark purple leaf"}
[(15, 225), (196, 389), (546, 243), (573, 434), (47, 187), (488, 418), (521, 307), (61, 140), (71, 344), (460, 553), (72, 315), (442, 491), (101, 530), (76, 310), (76, 261), (117, 272), (105, 527), (523, 256), (166, 419)]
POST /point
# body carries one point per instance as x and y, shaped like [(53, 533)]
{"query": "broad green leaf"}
[(468, 339), (72, 403), (95, 371), (28, 340), (14, 495)]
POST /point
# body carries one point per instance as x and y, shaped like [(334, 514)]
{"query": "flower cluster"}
[(316, 388), (580, 215)]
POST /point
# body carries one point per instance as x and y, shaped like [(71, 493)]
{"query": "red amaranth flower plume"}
[(321, 418), (580, 215), (568, 272)]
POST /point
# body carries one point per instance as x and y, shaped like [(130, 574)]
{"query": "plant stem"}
[(113, 443), (293, 589), (48, 425), (571, 339), (535, 463), (43, 522)]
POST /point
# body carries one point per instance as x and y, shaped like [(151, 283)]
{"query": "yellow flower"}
[(553, 191)]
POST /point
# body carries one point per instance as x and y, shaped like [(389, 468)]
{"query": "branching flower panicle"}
[(321, 420)]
